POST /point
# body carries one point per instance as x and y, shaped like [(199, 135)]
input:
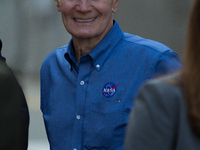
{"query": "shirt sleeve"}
[(167, 63), (152, 124)]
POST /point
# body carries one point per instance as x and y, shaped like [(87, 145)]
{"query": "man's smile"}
[(84, 20)]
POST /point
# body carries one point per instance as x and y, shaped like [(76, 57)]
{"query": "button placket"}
[(83, 75)]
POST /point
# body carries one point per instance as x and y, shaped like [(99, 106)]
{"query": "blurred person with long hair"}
[(166, 115)]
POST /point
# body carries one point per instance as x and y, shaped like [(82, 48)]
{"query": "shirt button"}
[(75, 149), (82, 83), (98, 66), (78, 117)]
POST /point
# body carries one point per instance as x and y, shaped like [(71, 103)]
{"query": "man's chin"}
[(83, 36)]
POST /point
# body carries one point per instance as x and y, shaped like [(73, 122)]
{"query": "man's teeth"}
[(80, 20)]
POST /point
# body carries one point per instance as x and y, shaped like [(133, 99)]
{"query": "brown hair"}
[(191, 71)]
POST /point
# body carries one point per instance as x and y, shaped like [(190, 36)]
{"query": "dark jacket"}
[(14, 114)]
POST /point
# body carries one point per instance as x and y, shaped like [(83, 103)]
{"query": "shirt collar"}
[(70, 54), (102, 50)]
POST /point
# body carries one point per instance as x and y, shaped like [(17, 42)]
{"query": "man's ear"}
[(57, 2), (115, 5)]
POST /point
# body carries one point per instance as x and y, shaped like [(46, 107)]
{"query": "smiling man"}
[(88, 86)]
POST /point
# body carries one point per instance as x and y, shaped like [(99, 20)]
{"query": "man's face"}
[(87, 18)]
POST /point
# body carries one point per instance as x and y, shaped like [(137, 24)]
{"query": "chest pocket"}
[(105, 131)]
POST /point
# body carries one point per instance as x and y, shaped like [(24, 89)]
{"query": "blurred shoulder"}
[(4, 69), (166, 88), (170, 80)]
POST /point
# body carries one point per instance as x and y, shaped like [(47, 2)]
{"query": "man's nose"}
[(84, 6)]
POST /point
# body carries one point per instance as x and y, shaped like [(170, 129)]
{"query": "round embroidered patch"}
[(109, 90)]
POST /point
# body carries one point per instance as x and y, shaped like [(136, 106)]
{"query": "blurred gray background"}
[(31, 29)]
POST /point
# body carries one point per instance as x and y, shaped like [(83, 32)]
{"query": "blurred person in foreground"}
[(88, 86), (14, 114), (166, 115)]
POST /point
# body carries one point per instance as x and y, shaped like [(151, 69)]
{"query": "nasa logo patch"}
[(109, 90)]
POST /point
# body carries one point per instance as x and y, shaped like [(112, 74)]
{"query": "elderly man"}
[(88, 86)]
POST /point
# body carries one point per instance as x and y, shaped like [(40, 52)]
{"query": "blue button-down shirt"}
[(86, 105)]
